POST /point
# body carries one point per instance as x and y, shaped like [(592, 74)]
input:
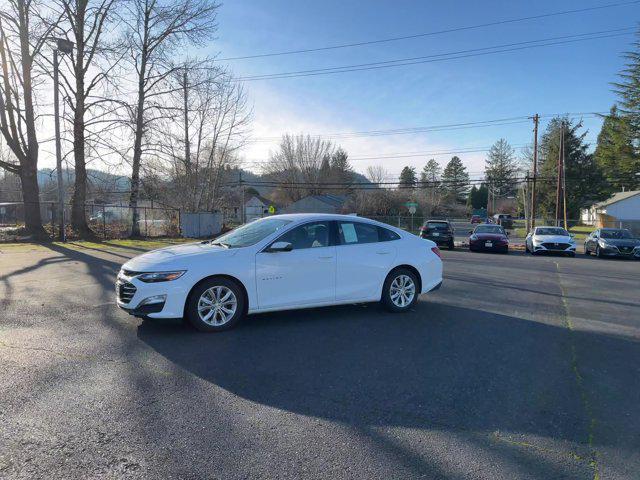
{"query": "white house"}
[(622, 207), (257, 207), (318, 204)]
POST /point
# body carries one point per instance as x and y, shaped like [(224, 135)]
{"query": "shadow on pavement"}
[(439, 367)]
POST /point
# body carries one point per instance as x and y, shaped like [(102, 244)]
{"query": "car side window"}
[(386, 235), (309, 235), (351, 233)]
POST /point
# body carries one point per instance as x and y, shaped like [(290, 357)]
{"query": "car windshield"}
[(615, 234), (552, 231), (437, 225), (489, 229), (251, 233)]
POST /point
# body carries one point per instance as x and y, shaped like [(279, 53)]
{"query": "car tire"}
[(598, 252), (451, 245), (586, 250), (394, 290), (227, 300), (572, 254)]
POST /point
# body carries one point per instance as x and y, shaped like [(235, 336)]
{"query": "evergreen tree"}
[(501, 168), (340, 170), (478, 197), (430, 174), (615, 153), (408, 177), (584, 180), (628, 89), (455, 180)]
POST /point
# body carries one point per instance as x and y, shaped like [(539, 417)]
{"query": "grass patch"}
[(107, 245)]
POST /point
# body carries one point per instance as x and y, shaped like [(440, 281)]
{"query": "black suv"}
[(439, 231)]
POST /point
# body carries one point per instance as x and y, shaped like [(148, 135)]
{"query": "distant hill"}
[(98, 178)]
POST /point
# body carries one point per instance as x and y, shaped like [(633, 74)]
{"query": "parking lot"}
[(518, 367)]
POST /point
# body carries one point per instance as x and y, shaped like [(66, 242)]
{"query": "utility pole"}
[(63, 46), (559, 179), (536, 119), (525, 195), (564, 183), (241, 187)]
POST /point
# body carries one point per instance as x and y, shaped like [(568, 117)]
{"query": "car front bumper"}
[(543, 249), (613, 251), (174, 292), (482, 246)]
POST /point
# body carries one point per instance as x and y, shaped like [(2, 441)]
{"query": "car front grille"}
[(556, 246), (626, 250), (125, 291)]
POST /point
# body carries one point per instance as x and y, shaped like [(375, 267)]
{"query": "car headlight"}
[(153, 277)]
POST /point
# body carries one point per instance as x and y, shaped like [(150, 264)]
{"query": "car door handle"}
[(325, 257), (383, 253)]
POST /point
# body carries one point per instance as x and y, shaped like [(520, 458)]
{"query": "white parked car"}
[(278, 263), (550, 240)]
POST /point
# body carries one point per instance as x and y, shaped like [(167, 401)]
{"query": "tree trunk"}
[(29, 174), (31, 197), (79, 199), (137, 156)]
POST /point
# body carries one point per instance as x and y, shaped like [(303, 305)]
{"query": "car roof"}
[(302, 217)]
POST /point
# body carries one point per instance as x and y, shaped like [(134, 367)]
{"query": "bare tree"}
[(377, 174), (87, 23), (302, 160), (203, 140), (23, 34), (155, 31)]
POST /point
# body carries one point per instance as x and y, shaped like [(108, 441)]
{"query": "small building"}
[(621, 210), (258, 207), (317, 204)]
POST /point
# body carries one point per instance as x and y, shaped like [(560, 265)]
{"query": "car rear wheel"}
[(400, 290), (451, 245), (215, 305)]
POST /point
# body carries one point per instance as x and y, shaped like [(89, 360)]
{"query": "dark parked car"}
[(489, 237), (476, 219), (439, 231), (612, 242), (503, 219)]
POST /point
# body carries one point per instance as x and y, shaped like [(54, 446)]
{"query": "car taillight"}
[(436, 250)]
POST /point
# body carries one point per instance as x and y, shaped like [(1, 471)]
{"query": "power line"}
[(437, 32), (435, 128), (477, 52)]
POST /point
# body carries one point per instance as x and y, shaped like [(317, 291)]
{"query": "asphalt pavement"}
[(518, 367)]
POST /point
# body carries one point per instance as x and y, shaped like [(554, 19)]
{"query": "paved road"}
[(519, 367)]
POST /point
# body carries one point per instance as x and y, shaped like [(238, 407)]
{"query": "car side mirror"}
[(280, 247), (470, 232)]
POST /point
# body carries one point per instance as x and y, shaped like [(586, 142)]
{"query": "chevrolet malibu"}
[(280, 262)]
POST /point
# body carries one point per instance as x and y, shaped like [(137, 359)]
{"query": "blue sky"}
[(567, 78)]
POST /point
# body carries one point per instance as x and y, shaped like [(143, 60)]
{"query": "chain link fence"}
[(105, 221)]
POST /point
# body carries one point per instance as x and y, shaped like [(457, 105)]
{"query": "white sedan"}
[(278, 263), (550, 240)]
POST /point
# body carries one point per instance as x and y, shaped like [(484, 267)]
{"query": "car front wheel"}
[(216, 304), (400, 290)]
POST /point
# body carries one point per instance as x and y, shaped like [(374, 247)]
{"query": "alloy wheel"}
[(403, 290), (217, 305)]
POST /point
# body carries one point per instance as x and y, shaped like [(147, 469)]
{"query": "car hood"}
[(178, 257), (553, 238), (490, 236), (622, 242)]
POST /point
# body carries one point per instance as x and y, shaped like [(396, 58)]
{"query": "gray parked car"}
[(612, 242)]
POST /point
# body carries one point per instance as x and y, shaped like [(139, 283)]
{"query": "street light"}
[(63, 46)]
